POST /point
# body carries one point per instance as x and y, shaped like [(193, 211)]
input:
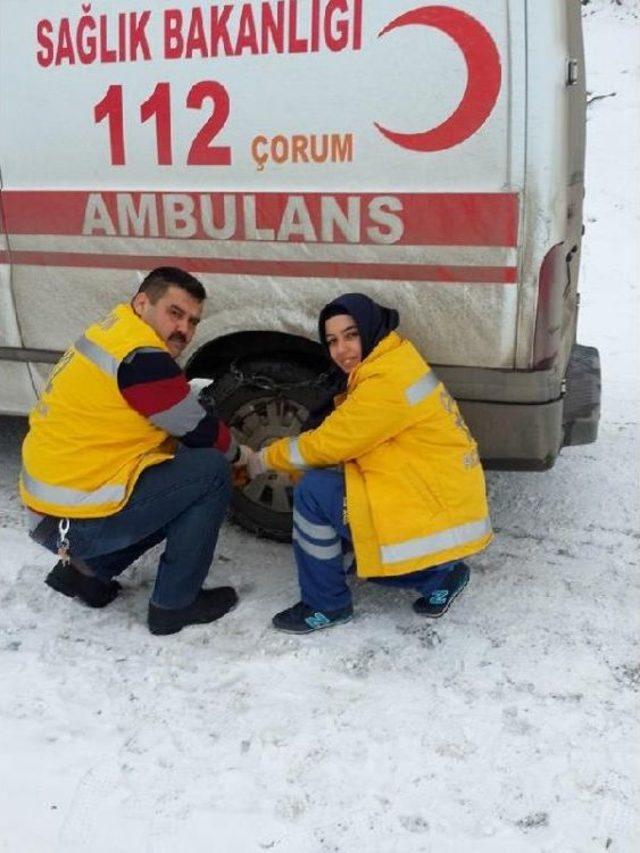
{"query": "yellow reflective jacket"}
[(414, 484), (86, 447)]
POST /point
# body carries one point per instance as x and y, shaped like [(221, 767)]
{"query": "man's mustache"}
[(178, 336)]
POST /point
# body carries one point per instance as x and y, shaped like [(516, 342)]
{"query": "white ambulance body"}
[(287, 151)]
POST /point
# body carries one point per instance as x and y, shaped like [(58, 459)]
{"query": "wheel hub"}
[(258, 424)]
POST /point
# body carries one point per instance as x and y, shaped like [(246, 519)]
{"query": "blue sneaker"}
[(303, 619), (440, 600)]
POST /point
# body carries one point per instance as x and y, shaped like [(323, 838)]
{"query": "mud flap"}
[(581, 411)]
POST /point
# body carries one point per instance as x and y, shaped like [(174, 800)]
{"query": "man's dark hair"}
[(161, 279)]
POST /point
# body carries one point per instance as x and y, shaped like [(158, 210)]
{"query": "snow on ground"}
[(511, 725)]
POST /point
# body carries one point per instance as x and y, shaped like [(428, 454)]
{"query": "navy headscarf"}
[(374, 321)]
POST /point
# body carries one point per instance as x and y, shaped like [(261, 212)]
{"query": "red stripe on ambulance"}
[(418, 219), (292, 269)]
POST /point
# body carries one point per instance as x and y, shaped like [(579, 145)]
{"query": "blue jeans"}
[(183, 501), (323, 549)]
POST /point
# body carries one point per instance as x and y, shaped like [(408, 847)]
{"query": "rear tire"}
[(257, 416)]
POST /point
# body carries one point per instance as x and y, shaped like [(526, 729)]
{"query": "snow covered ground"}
[(511, 725)]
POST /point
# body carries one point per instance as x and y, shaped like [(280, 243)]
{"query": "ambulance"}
[(430, 155)]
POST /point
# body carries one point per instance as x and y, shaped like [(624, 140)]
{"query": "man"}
[(121, 455)]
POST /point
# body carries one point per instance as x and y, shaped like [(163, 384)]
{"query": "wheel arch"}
[(214, 356)]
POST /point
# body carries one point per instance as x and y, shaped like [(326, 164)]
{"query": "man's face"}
[(174, 316)]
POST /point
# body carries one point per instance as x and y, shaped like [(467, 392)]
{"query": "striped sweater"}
[(153, 384)]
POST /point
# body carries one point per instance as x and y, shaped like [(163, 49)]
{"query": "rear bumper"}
[(522, 437), (517, 430)]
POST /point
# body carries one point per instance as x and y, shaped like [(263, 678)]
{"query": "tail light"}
[(551, 284)]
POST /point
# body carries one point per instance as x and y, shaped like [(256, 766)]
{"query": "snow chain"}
[(266, 383)]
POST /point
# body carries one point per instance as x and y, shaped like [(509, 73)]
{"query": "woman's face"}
[(343, 340)]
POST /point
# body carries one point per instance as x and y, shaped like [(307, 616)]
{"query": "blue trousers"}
[(322, 545), (182, 501)]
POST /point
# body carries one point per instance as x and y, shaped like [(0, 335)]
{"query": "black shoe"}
[(440, 600), (210, 605), (72, 583), (303, 619)]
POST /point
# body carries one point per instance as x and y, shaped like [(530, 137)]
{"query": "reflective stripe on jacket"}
[(415, 487), (86, 447)]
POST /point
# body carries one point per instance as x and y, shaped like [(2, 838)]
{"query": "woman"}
[(392, 471)]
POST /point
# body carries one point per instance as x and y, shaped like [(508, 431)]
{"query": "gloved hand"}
[(199, 383), (243, 456), (256, 464)]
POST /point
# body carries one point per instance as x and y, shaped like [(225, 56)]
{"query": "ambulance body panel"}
[(285, 152)]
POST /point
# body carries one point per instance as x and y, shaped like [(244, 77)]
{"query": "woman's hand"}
[(243, 456), (256, 464)]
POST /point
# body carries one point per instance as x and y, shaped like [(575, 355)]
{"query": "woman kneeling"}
[(392, 474)]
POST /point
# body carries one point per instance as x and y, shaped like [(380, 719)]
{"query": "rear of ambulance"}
[(525, 386)]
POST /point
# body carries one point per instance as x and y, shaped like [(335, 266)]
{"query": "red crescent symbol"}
[(483, 80)]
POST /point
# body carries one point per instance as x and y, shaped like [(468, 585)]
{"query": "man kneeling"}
[(120, 455)]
